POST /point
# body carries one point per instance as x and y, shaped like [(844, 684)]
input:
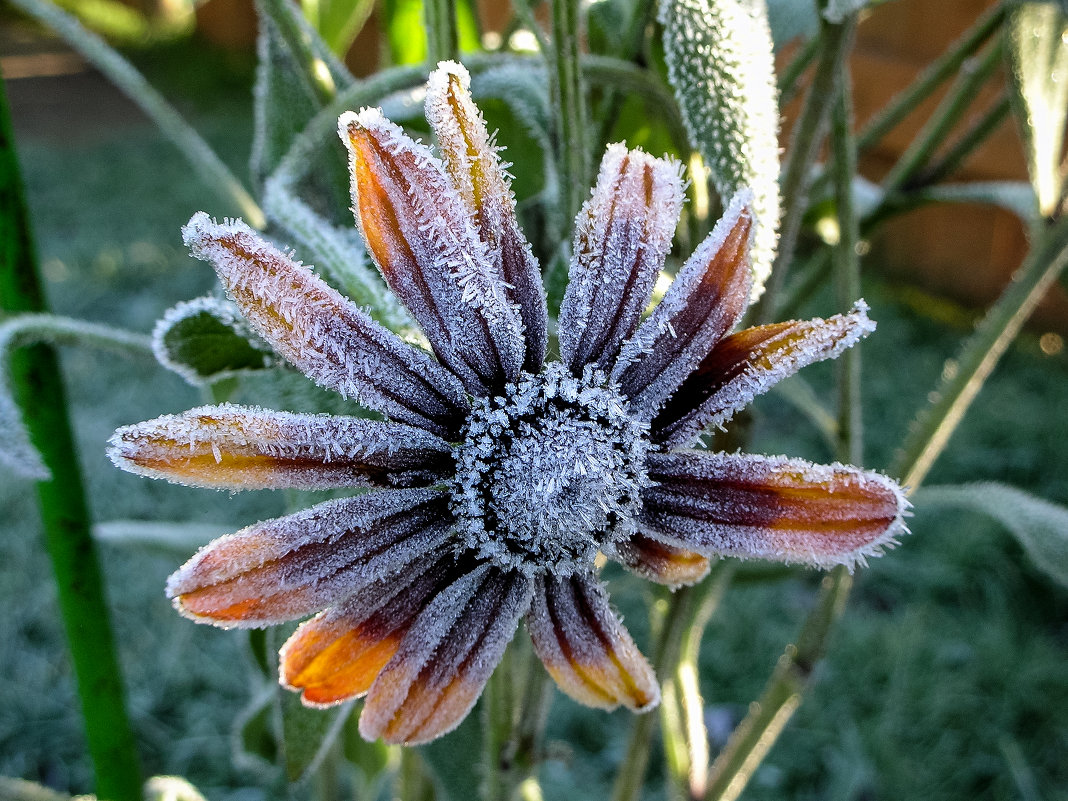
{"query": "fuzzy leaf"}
[(206, 339), (789, 19), (1040, 526), (721, 64), (1038, 59)]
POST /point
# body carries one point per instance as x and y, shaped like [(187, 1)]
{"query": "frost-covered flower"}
[(499, 478)]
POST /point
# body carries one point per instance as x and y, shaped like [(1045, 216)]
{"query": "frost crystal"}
[(549, 472)]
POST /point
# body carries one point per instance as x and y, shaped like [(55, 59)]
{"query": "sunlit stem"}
[(672, 613), (569, 105), (846, 265), (935, 74), (948, 113), (171, 124), (836, 42), (441, 32), (61, 500), (757, 733), (413, 783), (931, 431)]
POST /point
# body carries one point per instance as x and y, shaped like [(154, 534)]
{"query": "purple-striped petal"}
[(661, 562), (622, 235), (771, 507), (323, 334)]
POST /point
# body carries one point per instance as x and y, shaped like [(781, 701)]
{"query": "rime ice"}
[(499, 479)]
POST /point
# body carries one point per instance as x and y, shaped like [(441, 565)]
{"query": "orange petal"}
[(322, 333), (338, 654), (658, 561), (423, 241), (294, 566), (237, 447), (586, 648), (787, 510), (436, 676), (705, 301), (749, 363), (474, 167)]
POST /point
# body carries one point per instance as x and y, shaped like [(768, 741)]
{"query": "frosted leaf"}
[(293, 566), (720, 61), (338, 654), (622, 235), (424, 242), (836, 11), (206, 339), (237, 447), (705, 301), (321, 333), (585, 647), (446, 657), (16, 451), (476, 172), (772, 507), (749, 363)]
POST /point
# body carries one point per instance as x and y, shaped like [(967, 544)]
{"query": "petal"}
[(658, 561), (337, 655), (323, 334), (424, 242), (748, 364), (622, 235), (238, 447), (484, 186), (293, 566), (771, 507), (447, 656), (705, 301), (586, 648)]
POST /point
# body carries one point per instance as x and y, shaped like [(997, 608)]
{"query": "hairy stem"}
[(569, 105), (61, 499), (171, 124), (441, 36)]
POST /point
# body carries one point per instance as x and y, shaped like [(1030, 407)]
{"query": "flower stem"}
[(569, 105), (836, 41), (675, 612), (171, 124), (64, 513), (978, 357), (441, 37)]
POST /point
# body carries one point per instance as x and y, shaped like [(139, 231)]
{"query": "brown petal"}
[(423, 241), (622, 235), (293, 566), (658, 561), (766, 507), (705, 301), (479, 177), (436, 676), (586, 648), (338, 654), (323, 334), (749, 363), (238, 447)]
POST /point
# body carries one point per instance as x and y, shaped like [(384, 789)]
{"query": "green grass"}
[(947, 679)]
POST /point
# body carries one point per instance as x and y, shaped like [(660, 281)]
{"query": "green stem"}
[(123, 74), (972, 138), (790, 79), (948, 113), (757, 733), (610, 105), (836, 42), (846, 263), (931, 431), (938, 71), (675, 612), (64, 513), (441, 32), (569, 105)]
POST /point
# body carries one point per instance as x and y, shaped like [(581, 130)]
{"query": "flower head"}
[(499, 478)]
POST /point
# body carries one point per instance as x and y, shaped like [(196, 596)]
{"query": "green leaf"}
[(374, 760), (1038, 59), (254, 732), (339, 21), (455, 760), (206, 339), (720, 62), (307, 734), (1040, 526), (405, 31)]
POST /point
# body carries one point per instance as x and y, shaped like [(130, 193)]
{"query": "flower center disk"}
[(549, 472)]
